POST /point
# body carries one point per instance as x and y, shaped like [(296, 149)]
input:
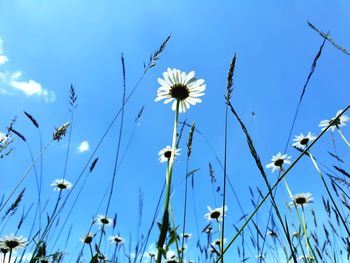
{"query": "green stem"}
[(169, 172), (302, 220), (179, 253), (343, 137)]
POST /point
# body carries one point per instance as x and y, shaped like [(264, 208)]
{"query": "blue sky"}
[(51, 45)]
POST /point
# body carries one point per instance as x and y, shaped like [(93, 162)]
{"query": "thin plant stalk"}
[(168, 186), (25, 175), (301, 220), (343, 137)]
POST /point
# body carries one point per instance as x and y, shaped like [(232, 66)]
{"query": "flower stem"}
[(343, 137), (302, 220), (169, 172)]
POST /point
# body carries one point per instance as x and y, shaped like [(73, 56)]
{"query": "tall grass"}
[(287, 231)]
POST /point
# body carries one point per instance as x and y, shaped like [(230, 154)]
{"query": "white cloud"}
[(3, 59), (10, 81), (30, 87), (83, 147)]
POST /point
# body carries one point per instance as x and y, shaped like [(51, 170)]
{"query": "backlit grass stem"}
[(165, 220)]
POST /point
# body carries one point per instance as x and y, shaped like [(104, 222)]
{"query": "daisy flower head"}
[(302, 199), (296, 234), (177, 86), (165, 154), (217, 242), (13, 243), (104, 220), (278, 160), (301, 141), (306, 258), (215, 214), (171, 257), (151, 253), (187, 235), (87, 238), (3, 138), (272, 233), (260, 257), (61, 184), (117, 240), (340, 121)]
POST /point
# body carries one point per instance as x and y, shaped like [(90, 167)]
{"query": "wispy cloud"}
[(83, 147), (10, 82)]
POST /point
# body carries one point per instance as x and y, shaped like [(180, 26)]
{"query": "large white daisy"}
[(182, 87), (277, 161), (340, 122)]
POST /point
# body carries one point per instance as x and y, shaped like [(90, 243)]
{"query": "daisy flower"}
[(3, 138), (151, 254), (217, 242), (306, 258), (104, 220), (87, 238), (171, 257), (13, 243), (102, 257), (177, 86), (278, 160), (260, 257), (340, 122), (207, 229), (296, 234), (272, 234), (215, 213), (61, 184), (116, 240), (301, 141), (302, 199), (165, 154), (187, 235)]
